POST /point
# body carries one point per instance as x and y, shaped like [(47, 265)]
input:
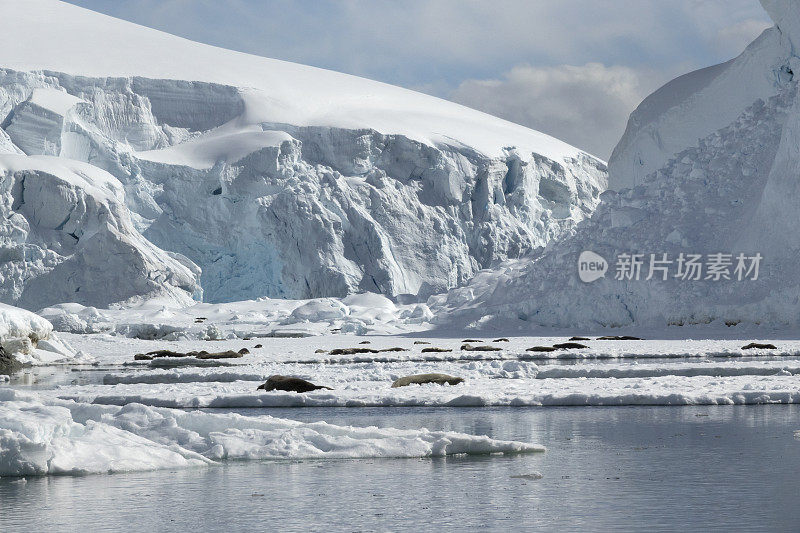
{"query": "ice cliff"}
[(709, 165), (276, 179), (66, 235)]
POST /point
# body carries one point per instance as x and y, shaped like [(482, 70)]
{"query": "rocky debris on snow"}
[(8, 364)]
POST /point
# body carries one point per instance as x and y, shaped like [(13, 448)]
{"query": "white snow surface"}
[(16, 322), (40, 437), (96, 45), (160, 319), (278, 179), (58, 102), (203, 152)]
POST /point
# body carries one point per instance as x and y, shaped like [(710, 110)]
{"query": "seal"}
[(759, 346), (541, 349), (471, 348), (570, 346), (421, 379), (290, 384)]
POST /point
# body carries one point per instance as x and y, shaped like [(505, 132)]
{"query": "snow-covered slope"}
[(734, 191), (696, 105), (279, 179)]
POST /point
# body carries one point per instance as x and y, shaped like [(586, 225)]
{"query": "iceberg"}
[(708, 168)]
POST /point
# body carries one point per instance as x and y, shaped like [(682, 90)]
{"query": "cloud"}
[(587, 106)]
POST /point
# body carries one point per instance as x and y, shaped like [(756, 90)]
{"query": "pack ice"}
[(709, 164), (276, 179)]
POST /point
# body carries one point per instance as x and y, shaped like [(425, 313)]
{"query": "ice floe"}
[(39, 437)]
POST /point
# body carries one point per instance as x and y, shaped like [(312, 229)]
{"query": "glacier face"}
[(67, 236), (733, 191), (283, 180), (278, 210)]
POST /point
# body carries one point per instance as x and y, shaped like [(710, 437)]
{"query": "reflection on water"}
[(619, 468)]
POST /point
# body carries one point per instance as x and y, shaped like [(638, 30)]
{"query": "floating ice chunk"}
[(40, 437)]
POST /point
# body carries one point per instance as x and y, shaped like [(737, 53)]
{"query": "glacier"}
[(247, 177), (709, 164), (66, 230)]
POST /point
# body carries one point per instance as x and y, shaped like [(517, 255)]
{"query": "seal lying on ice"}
[(288, 383), (420, 379)]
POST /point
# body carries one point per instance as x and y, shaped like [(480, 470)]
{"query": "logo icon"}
[(591, 267)]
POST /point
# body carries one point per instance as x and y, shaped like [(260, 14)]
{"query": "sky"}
[(574, 69)]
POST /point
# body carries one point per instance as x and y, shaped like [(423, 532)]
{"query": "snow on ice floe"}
[(116, 349), (693, 388), (16, 322), (40, 437), (607, 373)]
